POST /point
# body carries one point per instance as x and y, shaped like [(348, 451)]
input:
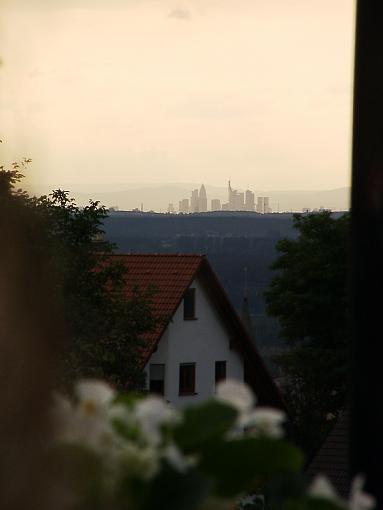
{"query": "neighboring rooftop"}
[(332, 459)]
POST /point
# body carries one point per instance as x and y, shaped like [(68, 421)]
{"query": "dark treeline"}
[(221, 223)]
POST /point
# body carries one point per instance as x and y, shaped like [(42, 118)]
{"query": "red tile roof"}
[(169, 276)]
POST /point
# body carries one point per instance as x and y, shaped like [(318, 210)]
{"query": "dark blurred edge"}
[(30, 335), (366, 437)]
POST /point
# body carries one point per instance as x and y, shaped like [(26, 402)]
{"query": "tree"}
[(104, 326), (308, 296)]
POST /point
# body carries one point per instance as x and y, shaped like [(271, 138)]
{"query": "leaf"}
[(313, 503), (245, 464), (175, 491), (204, 423), (285, 487), (128, 399)]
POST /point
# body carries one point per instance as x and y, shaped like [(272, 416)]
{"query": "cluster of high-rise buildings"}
[(197, 202), (237, 201)]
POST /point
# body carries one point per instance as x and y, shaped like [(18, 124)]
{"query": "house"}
[(332, 458), (201, 339)]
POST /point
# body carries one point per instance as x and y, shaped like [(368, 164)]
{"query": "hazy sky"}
[(102, 94)]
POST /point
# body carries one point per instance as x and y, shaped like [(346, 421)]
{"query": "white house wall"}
[(202, 341)]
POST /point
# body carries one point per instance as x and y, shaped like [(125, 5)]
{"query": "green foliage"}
[(9, 178), (308, 296), (204, 424), (104, 327), (248, 463), (313, 503), (176, 491), (308, 292), (232, 465)]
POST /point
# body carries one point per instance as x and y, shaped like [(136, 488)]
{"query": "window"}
[(187, 379), (157, 379), (189, 304), (220, 371)]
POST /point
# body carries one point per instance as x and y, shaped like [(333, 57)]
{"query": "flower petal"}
[(237, 394), (321, 487), (267, 421), (152, 413), (175, 458), (360, 500), (96, 391)]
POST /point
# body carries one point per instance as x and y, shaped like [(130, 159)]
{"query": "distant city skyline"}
[(236, 201), (157, 197)]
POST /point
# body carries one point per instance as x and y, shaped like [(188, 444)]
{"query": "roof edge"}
[(246, 345)]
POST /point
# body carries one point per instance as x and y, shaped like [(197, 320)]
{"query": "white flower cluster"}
[(133, 437), (130, 438), (261, 421), (321, 487), (95, 420)]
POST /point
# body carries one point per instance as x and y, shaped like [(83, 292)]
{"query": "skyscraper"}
[(202, 199), (239, 201), (249, 201), (231, 198), (236, 200), (261, 205), (216, 204), (194, 205), (184, 206)]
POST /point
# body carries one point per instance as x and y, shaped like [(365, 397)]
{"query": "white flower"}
[(360, 500), (321, 487), (151, 413), (88, 422), (122, 413), (94, 396), (177, 459), (138, 462), (267, 421), (237, 394)]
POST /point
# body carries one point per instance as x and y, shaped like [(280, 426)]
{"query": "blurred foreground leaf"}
[(175, 491), (245, 464), (311, 503), (203, 424)]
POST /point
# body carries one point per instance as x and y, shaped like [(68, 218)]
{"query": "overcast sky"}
[(103, 94)]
